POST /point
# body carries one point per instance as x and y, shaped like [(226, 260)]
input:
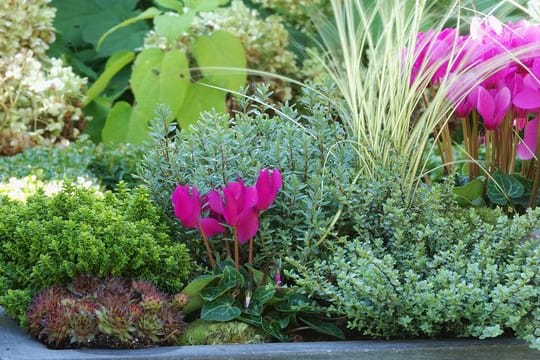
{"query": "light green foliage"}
[(427, 267), (201, 332), (163, 76), (50, 240), (310, 151)]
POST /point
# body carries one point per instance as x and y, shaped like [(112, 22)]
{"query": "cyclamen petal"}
[(527, 99), (215, 201), (527, 147), (267, 186), (210, 227), (248, 225), (187, 207)]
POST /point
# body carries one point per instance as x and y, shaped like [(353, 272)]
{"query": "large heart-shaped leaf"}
[(117, 124), (204, 5), (221, 309), (263, 294), (221, 59), (200, 98), (159, 77), (173, 26), (231, 277), (502, 188)]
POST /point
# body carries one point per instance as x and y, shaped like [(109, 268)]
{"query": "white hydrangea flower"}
[(21, 188)]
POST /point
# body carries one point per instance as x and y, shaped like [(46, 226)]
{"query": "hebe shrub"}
[(428, 267), (50, 240)]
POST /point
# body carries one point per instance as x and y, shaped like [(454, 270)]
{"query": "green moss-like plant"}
[(201, 332), (50, 240)]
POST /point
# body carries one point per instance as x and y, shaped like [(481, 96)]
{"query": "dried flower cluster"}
[(26, 24), (113, 313), (40, 98)]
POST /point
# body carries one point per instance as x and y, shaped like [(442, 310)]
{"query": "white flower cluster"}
[(26, 24), (265, 40), (21, 189), (40, 98)]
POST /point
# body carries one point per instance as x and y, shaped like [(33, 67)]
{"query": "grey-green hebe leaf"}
[(222, 60)]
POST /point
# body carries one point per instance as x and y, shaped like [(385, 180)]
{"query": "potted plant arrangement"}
[(374, 194)]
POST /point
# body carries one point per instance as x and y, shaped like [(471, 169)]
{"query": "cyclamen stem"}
[(250, 257), (208, 251), (236, 250)]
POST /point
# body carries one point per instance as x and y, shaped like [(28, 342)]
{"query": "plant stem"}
[(208, 251), (250, 257), (536, 183), (236, 250)]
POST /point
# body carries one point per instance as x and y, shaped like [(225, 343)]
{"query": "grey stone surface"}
[(17, 345)]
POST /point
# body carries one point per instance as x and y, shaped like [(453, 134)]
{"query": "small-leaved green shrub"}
[(310, 151), (50, 240), (426, 267), (106, 164)]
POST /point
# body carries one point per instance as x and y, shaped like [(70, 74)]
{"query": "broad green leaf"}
[(98, 110), (200, 98), (263, 294), (80, 24), (160, 77), (173, 26), (149, 13), (258, 276), (115, 63), (205, 5), (221, 309), (255, 308), (294, 303), (171, 4), (231, 278), (213, 292), (470, 194), (324, 327), (502, 188), (255, 320), (117, 123), (193, 290), (273, 328), (221, 59)]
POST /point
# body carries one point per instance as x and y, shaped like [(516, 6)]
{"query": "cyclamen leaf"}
[(502, 188), (469, 194), (221, 309), (324, 327)]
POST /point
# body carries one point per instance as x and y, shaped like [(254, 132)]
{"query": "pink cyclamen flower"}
[(238, 208), (526, 148), (492, 106), (187, 208), (268, 185)]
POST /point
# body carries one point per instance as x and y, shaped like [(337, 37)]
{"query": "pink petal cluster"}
[(513, 90), (237, 205)]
